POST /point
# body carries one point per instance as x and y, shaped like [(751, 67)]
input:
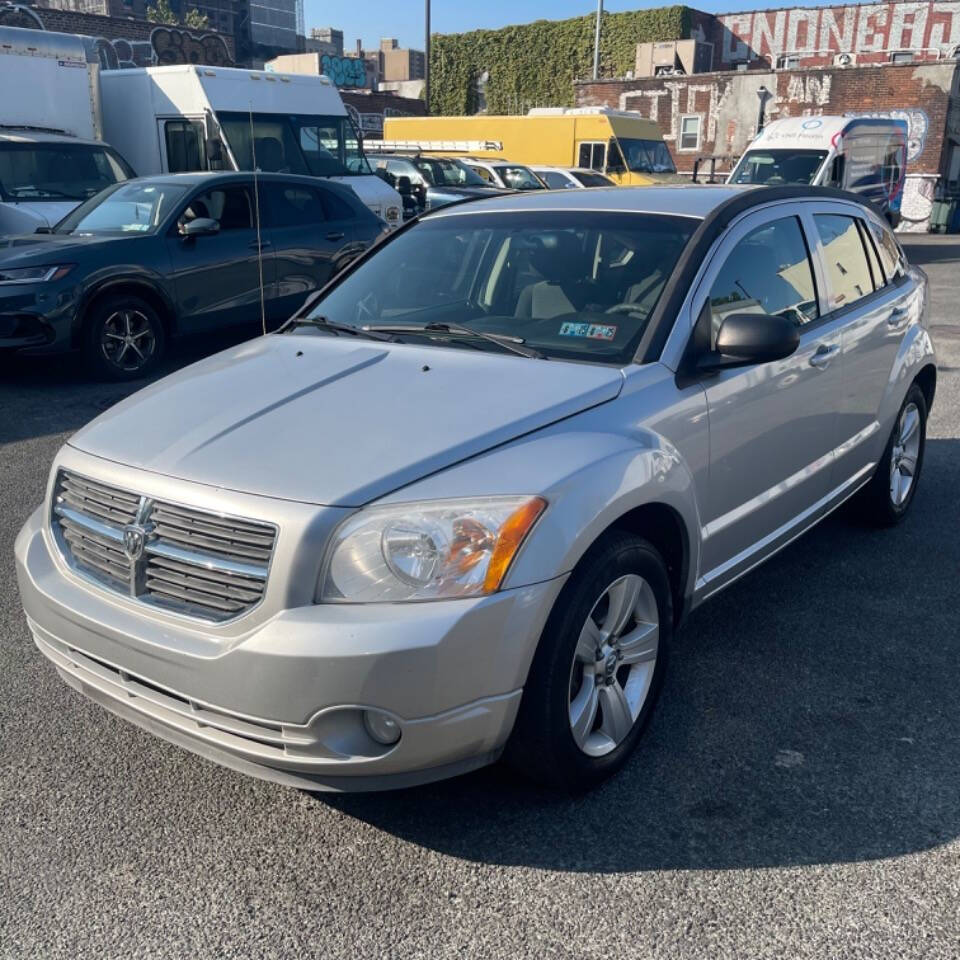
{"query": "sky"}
[(370, 20)]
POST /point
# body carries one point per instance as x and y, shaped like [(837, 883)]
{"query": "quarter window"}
[(871, 255), (690, 133), (768, 272), (890, 254), (848, 271)]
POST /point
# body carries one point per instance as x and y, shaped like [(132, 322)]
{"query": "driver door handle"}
[(821, 359), (333, 236)]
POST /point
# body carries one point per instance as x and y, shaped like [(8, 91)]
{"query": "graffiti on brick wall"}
[(166, 46), (345, 71), (918, 123), (863, 29)]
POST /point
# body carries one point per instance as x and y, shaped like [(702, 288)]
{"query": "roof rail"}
[(433, 146)]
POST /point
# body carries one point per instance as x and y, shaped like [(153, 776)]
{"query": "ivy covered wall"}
[(535, 64)]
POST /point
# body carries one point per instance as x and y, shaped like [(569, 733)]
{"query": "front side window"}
[(519, 178), (573, 285), (184, 140), (848, 270), (769, 272), (483, 174), (646, 156), (58, 171), (317, 146), (448, 172), (231, 207), (128, 208), (776, 167)]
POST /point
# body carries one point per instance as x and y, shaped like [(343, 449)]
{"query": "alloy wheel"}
[(613, 665), (905, 455), (128, 340)]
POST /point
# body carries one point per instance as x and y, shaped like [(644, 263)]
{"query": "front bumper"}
[(37, 317), (285, 700)]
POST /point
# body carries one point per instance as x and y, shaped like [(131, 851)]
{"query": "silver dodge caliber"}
[(457, 506)]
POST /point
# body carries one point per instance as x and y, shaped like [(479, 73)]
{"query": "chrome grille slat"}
[(193, 562)]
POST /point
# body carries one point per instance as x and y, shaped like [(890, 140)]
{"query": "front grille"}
[(191, 561)]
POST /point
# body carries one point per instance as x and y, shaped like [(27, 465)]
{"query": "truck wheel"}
[(598, 668), (123, 338)]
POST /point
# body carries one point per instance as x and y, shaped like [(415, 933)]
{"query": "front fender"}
[(130, 275), (590, 481)]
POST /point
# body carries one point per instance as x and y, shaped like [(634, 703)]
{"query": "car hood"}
[(467, 191), (39, 248), (337, 421), (26, 215)]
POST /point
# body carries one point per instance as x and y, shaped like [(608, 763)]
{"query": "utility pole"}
[(596, 41), (426, 55)]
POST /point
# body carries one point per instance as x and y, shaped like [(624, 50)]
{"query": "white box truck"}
[(50, 127), (184, 118)]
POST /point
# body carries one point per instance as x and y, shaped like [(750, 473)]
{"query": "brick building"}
[(897, 59)]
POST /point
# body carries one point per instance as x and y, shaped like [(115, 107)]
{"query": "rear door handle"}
[(333, 236), (821, 359), (897, 316)]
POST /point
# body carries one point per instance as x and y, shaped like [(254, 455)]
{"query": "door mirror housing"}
[(747, 338), (214, 153), (403, 186), (199, 227)]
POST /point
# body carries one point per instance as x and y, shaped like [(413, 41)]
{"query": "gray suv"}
[(457, 508)]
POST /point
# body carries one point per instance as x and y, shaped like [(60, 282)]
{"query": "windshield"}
[(519, 178), (445, 172), (58, 171), (592, 179), (774, 167), (572, 285), (136, 207), (646, 156), (317, 146)]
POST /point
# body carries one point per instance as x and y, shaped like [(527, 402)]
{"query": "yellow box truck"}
[(625, 146)]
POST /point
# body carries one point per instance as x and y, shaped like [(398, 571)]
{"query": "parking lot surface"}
[(797, 794)]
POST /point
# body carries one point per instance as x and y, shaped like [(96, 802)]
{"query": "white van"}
[(185, 118), (51, 157), (866, 155)]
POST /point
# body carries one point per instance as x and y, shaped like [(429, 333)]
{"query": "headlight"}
[(34, 274), (393, 214), (434, 550)]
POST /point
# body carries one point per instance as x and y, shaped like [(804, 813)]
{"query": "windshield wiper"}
[(502, 340), (338, 329), (37, 192)]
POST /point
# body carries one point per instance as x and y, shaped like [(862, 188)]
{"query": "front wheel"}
[(124, 338), (598, 668)]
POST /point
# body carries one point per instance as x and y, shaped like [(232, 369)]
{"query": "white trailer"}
[(184, 118), (50, 127)]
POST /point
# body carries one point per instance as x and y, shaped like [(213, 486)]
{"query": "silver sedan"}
[(458, 506)]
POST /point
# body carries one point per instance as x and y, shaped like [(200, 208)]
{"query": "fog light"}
[(382, 728)]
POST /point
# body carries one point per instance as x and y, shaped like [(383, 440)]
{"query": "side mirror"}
[(214, 153), (403, 186), (746, 338), (199, 227)]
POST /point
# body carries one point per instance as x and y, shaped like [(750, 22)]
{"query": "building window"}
[(690, 132), (902, 56), (788, 62)]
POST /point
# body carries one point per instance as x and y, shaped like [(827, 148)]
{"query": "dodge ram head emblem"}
[(134, 538)]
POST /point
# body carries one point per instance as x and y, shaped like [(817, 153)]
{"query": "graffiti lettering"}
[(345, 71)]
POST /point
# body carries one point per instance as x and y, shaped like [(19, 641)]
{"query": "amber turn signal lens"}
[(511, 536)]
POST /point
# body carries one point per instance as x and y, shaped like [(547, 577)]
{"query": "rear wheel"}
[(124, 338), (886, 499), (598, 668)]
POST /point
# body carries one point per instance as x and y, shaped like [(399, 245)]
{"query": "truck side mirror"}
[(214, 153), (403, 186)]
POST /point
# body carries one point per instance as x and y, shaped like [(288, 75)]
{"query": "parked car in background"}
[(392, 542), (866, 155), (432, 181), (504, 174), (52, 157), (572, 178), (163, 256)]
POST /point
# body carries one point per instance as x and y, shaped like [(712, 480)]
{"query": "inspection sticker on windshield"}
[(592, 331)]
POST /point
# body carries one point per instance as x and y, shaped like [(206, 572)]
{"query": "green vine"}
[(535, 64)]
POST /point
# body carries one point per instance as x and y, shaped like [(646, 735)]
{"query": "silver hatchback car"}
[(457, 507)]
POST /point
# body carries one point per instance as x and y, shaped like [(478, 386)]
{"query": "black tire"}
[(875, 502), (542, 745), (107, 356)]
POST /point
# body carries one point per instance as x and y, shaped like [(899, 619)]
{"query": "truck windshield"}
[(444, 172), (317, 146), (58, 171), (138, 207), (774, 167), (646, 156), (569, 284)]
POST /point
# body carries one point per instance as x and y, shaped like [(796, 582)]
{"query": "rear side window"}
[(336, 207), (848, 271), (295, 206), (768, 271), (554, 180)]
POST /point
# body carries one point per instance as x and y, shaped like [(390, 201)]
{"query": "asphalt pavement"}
[(797, 794)]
